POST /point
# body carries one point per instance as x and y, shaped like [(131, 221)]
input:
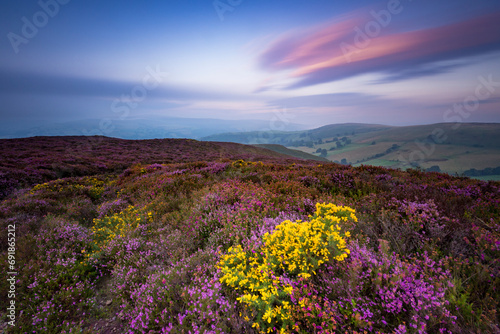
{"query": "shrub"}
[(108, 228), (262, 277)]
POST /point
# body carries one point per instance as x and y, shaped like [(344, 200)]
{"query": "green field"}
[(487, 178)]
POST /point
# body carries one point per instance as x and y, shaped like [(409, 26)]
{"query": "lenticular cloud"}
[(359, 43)]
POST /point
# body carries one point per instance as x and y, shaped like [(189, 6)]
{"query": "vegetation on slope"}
[(156, 247), (29, 161)]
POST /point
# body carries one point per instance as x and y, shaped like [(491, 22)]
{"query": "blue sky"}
[(321, 62)]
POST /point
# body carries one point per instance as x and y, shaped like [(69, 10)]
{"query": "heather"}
[(29, 161), (230, 245)]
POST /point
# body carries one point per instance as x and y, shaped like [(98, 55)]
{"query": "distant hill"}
[(295, 138), (447, 147), (132, 128)]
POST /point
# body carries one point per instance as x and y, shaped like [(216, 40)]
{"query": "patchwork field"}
[(453, 148)]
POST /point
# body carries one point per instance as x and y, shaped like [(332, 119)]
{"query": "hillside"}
[(203, 241), (293, 153), (29, 161), (446, 147)]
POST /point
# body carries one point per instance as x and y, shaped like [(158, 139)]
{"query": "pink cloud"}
[(348, 47)]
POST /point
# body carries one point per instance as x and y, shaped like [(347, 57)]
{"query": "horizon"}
[(435, 127), (397, 63)]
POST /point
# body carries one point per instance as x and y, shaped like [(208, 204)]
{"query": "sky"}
[(311, 62)]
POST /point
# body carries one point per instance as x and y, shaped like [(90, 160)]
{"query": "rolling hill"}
[(451, 148)]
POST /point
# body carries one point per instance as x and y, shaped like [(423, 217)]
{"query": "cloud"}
[(328, 100), (417, 71), (30, 95), (30, 83), (47, 84), (353, 45)]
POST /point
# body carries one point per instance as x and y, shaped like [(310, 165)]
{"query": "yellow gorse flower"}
[(106, 229), (296, 248)]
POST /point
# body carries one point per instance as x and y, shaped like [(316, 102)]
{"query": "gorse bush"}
[(108, 228), (301, 247), (263, 276)]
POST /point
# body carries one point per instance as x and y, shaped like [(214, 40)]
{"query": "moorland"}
[(183, 236)]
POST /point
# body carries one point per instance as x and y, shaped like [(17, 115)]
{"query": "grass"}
[(379, 162)]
